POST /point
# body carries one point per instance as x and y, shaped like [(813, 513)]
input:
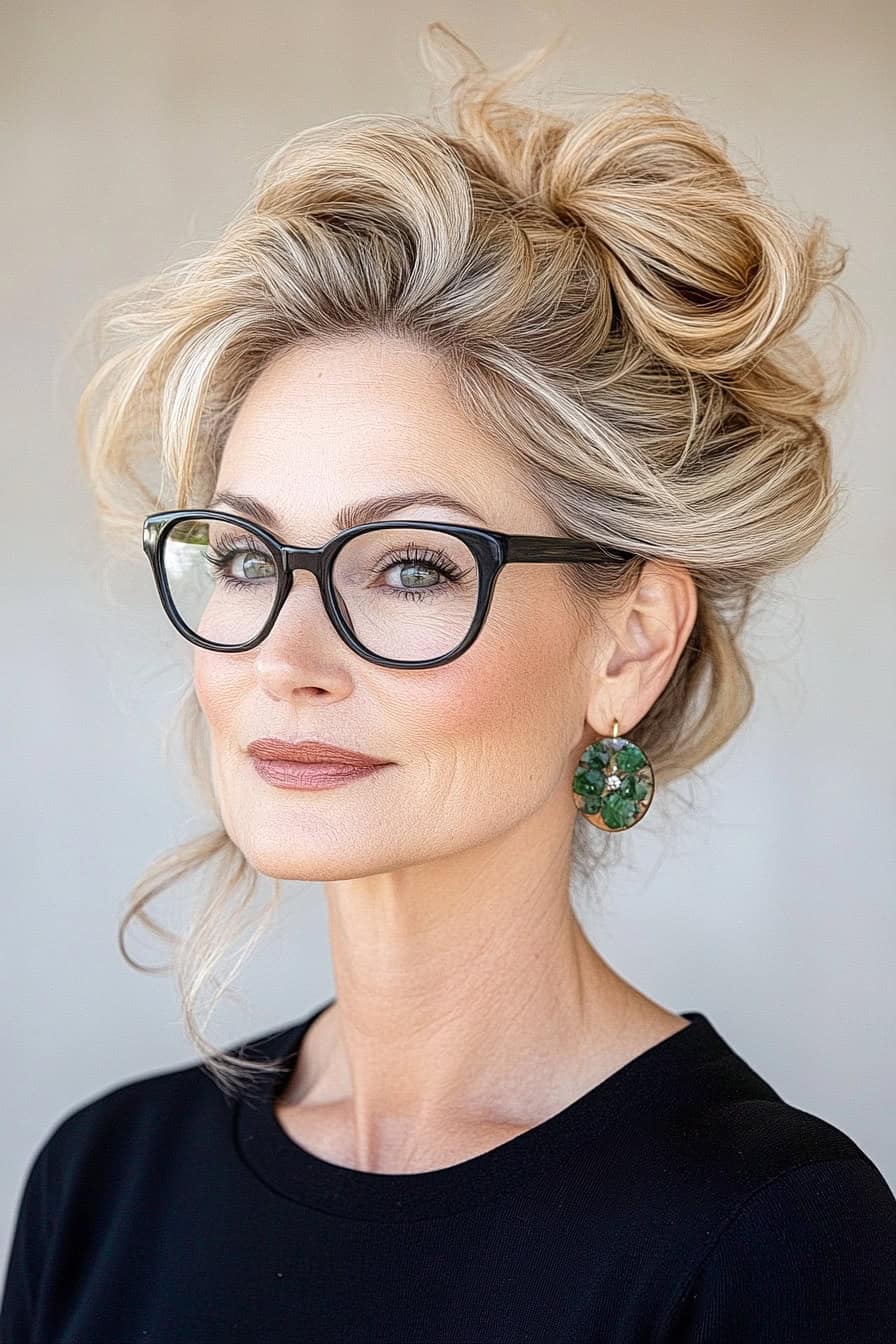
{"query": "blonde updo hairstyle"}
[(612, 302)]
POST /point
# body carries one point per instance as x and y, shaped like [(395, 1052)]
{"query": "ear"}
[(644, 634)]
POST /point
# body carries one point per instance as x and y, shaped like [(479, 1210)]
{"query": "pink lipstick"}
[(309, 764)]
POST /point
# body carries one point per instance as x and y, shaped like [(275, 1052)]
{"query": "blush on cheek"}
[(490, 687)]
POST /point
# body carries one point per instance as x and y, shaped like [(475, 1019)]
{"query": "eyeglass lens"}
[(405, 593)]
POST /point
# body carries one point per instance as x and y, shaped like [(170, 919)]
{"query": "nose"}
[(302, 612), (304, 606)]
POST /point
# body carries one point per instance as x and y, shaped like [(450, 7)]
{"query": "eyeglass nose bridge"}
[(316, 560), (312, 558)]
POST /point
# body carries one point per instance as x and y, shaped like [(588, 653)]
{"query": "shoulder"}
[(102, 1163), (795, 1225), (723, 1119), (808, 1255), (150, 1116)]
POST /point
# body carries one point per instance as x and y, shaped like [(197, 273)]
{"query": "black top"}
[(681, 1199)]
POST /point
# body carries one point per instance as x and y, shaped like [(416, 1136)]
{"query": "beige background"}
[(130, 133)]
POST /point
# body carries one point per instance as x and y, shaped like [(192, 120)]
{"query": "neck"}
[(466, 994)]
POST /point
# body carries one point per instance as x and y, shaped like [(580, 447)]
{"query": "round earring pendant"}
[(613, 785)]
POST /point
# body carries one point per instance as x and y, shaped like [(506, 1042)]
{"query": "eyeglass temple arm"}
[(547, 549)]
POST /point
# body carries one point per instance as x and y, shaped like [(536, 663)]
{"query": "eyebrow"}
[(372, 510)]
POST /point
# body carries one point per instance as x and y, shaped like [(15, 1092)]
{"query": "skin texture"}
[(470, 1005)]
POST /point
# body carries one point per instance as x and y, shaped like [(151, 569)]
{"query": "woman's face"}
[(476, 746)]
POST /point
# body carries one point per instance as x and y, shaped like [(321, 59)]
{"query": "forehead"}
[(323, 425)]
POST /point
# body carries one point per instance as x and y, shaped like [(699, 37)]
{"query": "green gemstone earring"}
[(613, 784)]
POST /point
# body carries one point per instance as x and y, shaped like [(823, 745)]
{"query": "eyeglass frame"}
[(491, 549)]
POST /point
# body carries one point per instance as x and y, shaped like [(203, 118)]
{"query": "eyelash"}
[(436, 560)]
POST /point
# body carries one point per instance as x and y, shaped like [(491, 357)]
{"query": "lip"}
[(313, 753), (302, 775)]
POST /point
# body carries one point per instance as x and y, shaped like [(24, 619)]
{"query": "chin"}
[(333, 860)]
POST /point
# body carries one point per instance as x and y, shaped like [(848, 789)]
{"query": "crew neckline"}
[(293, 1171)]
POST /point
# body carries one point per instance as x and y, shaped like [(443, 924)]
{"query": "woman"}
[(474, 447)]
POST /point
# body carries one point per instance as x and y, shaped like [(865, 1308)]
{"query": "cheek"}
[(488, 734), (510, 700), (217, 679), (219, 684)]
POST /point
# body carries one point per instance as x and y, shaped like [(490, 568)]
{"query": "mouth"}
[(309, 764)]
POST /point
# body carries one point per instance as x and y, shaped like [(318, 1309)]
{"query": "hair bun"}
[(707, 272), (705, 269)]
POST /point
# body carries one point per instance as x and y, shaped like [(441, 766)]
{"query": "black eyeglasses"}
[(223, 581)]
